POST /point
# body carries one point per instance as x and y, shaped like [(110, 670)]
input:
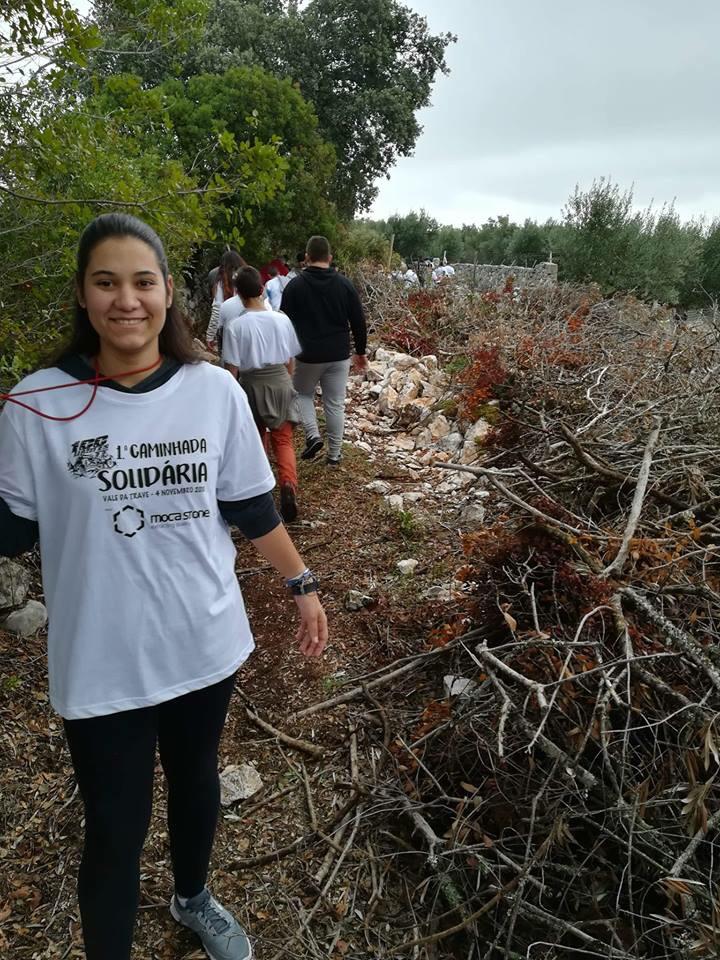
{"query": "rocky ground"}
[(382, 532)]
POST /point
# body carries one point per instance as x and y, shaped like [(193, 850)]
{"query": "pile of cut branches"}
[(543, 782)]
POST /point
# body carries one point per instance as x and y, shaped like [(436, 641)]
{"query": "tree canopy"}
[(366, 66), (599, 238)]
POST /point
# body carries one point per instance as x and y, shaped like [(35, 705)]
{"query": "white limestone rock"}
[(439, 427), (355, 601), (404, 442), (376, 372), (417, 410), (14, 584), (239, 782), (451, 443), (423, 439), (472, 513), (407, 567), (378, 486), (388, 399), (26, 621), (460, 687), (404, 361)]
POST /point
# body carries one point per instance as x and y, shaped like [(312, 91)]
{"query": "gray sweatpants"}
[(333, 378)]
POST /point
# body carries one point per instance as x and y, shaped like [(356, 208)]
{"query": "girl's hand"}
[(312, 635)]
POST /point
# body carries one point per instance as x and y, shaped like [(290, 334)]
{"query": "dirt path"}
[(353, 541)]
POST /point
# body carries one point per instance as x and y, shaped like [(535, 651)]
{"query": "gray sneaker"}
[(220, 934)]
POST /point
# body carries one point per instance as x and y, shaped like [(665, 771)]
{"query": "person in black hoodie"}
[(324, 308)]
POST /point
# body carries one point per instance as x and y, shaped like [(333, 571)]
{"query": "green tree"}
[(361, 240), (663, 254), (148, 38), (50, 29), (367, 66), (415, 234), (448, 242), (212, 114), (598, 234), (82, 162), (708, 282), (528, 245)]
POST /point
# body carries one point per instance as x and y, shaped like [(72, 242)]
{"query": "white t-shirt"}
[(234, 307), (274, 290), (259, 338), (231, 308), (138, 564)]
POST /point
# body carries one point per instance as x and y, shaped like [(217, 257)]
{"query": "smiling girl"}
[(131, 502)]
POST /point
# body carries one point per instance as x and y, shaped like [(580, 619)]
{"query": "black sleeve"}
[(17, 535), (286, 304), (254, 517), (357, 319)]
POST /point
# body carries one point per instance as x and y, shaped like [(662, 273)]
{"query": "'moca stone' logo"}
[(128, 521)]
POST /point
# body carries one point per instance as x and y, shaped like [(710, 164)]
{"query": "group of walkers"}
[(284, 339), (128, 458), (436, 271)]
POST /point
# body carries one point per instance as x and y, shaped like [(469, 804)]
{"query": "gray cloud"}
[(542, 96)]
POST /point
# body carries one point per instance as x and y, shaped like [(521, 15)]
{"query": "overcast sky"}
[(546, 95)]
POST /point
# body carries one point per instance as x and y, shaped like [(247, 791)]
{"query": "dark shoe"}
[(333, 461), (312, 447), (288, 503)]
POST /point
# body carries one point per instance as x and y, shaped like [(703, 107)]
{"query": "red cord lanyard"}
[(95, 381)]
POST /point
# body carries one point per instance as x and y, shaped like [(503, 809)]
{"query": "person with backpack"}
[(325, 309), (259, 348), (128, 459)]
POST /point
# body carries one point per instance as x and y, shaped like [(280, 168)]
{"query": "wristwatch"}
[(306, 582)]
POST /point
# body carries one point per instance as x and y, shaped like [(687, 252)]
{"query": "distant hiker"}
[(274, 288), (130, 491), (299, 265), (324, 307), (410, 278), (260, 347), (230, 262)]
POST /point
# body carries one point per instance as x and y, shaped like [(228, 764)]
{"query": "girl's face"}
[(125, 295)]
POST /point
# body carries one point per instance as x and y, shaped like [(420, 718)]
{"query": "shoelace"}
[(210, 914)]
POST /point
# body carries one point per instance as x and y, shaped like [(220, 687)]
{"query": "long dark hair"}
[(230, 263), (175, 337)]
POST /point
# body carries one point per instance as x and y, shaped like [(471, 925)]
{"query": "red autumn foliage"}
[(481, 380)]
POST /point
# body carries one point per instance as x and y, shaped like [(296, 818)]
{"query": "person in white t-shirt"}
[(260, 348), (130, 486), (274, 288), (232, 308), (230, 262)]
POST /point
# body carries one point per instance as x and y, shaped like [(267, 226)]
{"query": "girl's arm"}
[(278, 549), (259, 521), (17, 535)]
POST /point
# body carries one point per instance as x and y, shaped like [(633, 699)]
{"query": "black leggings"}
[(114, 761)]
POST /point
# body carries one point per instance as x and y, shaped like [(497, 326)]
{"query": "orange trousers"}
[(283, 448)]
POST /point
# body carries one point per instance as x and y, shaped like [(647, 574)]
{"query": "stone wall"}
[(491, 277)]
